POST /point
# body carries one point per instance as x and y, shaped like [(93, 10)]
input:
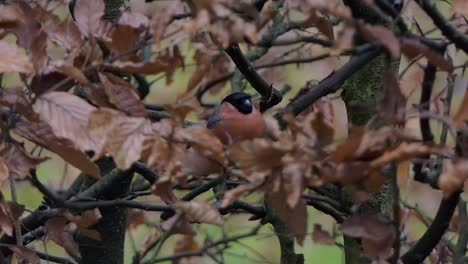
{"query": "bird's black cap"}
[(241, 101)]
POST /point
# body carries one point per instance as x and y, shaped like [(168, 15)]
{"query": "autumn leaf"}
[(461, 117), (168, 63), (181, 109), (70, 70), (64, 34), (412, 48), (406, 151), (10, 212), (16, 100), (233, 194), (25, 255), (18, 161), (204, 141), (393, 104), (453, 176), (321, 236), (41, 134), (296, 225), (68, 116), (135, 20), (56, 230), (125, 138), (209, 67), (460, 6), (186, 245), (377, 235), (257, 158), (13, 60), (382, 36), (199, 212), (178, 225), (122, 42), (163, 189), (89, 17), (123, 96), (85, 222)]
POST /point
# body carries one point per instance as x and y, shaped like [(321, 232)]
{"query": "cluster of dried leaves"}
[(76, 101)]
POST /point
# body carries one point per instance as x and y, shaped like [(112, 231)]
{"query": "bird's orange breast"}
[(235, 126)]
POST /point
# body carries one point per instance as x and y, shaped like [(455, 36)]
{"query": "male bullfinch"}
[(237, 119)]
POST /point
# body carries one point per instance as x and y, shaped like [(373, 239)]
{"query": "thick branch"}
[(434, 233), (270, 96), (332, 83), (425, 104), (458, 38)]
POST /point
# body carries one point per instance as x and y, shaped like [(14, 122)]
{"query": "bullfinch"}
[(237, 119)]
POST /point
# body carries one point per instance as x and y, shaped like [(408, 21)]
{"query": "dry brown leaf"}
[(18, 160), (134, 19), (85, 222), (198, 165), (4, 172), (89, 17), (257, 158), (293, 179), (344, 41), (181, 109), (321, 236), (377, 236), (167, 63), (125, 138), (412, 48), (68, 116), (178, 225), (13, 60), (461, 117), (199, 212), (322, 24), (454, 176), (364, 145), (393, 104), (186, 244), (407, 151), (71, 71), (122, 42), (204, 141), (123, 96), (41, 134), (136, 218), (297, 225), (460, 6), (25, 255), (209, 67), (234, 194), (9, 213), (65, 34), (163, 189), (56, 230), (382, 36), (16, 100)]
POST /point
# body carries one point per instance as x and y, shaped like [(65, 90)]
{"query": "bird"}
[(237, 119)]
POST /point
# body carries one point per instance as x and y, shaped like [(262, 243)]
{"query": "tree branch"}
[(458, 38), (434, 233), (330, 84), (270, 96)]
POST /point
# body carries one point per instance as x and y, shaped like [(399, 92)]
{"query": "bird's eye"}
[(245, 106), (247, 103)]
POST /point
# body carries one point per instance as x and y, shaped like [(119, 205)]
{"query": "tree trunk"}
[(112, 225)]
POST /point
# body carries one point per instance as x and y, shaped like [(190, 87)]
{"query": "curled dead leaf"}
[(199, 212)]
